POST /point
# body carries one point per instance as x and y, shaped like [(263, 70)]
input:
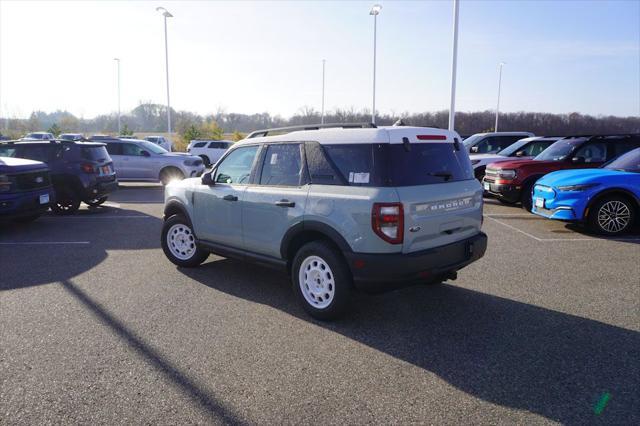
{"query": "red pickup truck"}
[(511, 181)]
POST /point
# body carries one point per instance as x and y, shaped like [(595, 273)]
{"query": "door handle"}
[(285, 203), (230, 198)]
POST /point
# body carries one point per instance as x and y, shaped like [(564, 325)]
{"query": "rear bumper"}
[(100, 189), (376, 272), (24, 203)]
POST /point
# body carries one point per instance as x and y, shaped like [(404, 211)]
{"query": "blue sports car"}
[(607, 199)]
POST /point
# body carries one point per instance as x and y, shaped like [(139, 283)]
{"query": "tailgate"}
[(439, 214)]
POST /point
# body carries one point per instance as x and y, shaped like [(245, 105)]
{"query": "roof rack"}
[(289, 129)]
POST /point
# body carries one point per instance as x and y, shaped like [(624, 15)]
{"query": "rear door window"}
[(282, 165), (114, 148)]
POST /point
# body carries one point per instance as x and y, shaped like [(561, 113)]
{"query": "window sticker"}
[(274, 159), (350, 177), (360, 177)]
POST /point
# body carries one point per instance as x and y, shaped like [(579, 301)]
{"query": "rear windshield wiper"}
[(445, 175)]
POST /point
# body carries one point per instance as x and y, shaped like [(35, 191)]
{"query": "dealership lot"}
[(97, 326)]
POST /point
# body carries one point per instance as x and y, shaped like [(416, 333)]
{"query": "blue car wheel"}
[(612, 215)]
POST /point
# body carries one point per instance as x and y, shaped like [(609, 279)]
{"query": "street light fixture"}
[(118, 64), (499, 87), (165, 13), (375, 11)]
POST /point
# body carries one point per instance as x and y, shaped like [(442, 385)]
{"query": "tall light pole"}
[(322, 114), (454, 66), (118, 65), (166, 15), (499, 87), (375, 11)]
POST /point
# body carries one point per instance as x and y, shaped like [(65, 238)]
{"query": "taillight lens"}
[(87, 168), (387, 221)]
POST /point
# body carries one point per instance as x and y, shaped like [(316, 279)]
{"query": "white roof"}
[(387, 134)]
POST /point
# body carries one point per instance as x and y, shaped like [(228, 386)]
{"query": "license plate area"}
[(44, 199), (486, 186), (539, 202)]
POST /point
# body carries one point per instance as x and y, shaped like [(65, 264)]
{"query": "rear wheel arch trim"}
[(322, 228)]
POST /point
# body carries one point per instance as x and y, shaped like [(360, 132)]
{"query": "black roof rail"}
[(266, 132)]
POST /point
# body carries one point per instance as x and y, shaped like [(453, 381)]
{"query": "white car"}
[(166, 143), (491, 143), (524, 148), (209, 151), (38, 136)]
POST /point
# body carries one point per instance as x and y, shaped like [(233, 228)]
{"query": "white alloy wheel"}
[(614, 216), (316, 282), (181, 242)]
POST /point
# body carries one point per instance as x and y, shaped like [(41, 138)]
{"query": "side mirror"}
[(578, 160), (207, 179), (145, 153), (520, 154), (474, 149)]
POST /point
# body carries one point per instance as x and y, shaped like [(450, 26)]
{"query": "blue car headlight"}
[(575, 188)]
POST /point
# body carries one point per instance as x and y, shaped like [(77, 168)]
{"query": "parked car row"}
[(161, 141), (209, 150), (72, 172)]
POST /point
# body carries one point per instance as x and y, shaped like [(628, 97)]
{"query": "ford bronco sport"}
[(337, 206)]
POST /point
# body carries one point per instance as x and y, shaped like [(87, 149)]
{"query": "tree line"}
[(149, 117)]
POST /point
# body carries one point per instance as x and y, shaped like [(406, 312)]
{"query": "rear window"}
[(94, 153), (428, 163), (393, 165)]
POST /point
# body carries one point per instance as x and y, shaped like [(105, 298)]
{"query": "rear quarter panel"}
[(347, 209)]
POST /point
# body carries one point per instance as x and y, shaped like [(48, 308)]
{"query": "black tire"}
[(170, 173), (198, 254), (97, 201), (339, 280), (525, 197), (27, 219), (612, 208), (65, 206), (205, 160)]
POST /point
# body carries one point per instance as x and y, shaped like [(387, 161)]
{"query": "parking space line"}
[(514, 215), (26, 243), (547, 240), (514, 228)]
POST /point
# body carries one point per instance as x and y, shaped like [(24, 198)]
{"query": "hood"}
[(516, 164), (581, 176), (13, 165), (185, 183), (181, 154), (486, 157)]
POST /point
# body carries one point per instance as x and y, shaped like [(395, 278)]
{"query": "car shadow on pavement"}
[(72, 244), (499, 350), (631, 237)]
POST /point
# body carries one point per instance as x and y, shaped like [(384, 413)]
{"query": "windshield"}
[(152, 147), (513, 148), (471, 140), (629, 162), (559, 150)]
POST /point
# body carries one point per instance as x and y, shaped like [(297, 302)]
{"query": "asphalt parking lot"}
[(98, 327)]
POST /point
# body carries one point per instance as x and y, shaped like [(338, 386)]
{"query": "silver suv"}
[(143, 161), (345, 207)]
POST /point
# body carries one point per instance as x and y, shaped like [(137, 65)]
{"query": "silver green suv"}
[(337, 206)]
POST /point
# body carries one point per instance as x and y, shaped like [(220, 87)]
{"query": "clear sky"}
[(561, 56)]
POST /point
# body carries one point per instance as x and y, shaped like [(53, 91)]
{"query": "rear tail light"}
[(387, 221), (87, 168)]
